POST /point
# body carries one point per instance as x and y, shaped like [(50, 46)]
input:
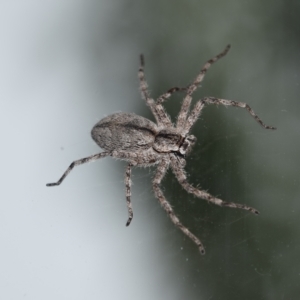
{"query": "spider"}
[(141, 142)]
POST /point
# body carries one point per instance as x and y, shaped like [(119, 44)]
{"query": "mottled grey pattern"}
[(125, 132), (143, 143)]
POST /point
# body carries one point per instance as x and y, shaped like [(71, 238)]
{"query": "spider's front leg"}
[(157, 110), (181, 177), (218, 101), (193, 87), (169, 93), (160, 173)]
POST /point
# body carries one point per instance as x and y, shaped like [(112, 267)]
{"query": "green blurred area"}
[(235, 159)]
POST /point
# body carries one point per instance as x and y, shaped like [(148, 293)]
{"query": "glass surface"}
[(67, 64)]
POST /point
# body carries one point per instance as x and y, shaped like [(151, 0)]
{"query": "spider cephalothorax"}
[(141, 142)]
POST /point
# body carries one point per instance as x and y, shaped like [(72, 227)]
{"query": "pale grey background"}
[(67, 64)]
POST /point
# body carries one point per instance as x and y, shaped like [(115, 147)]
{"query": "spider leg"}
[(181, 177), (160, 173), (188, 98), (157, 109), (77, 163), (169, 93), (217, 101), (192, 118), (137, 159), (128, 193)]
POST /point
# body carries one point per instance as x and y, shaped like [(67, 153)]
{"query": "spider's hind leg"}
[(128, 193), (77, 163)]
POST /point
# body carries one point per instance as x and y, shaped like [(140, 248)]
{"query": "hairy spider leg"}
[(181, 177), (157, 110), (160, 173), (192, 88), (128, 193), (77, 163), (169, 93)]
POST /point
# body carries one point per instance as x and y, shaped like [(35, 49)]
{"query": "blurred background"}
[(67, 64)]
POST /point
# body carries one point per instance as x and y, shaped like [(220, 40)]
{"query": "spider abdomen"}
[(124, 132)]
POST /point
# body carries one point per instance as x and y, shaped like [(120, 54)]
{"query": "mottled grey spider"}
[(143, 143)]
